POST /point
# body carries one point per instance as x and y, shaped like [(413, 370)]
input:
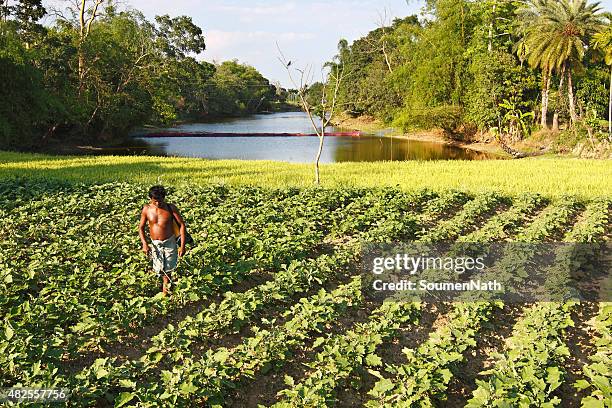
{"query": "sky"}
[(306, 31), (247, 30)]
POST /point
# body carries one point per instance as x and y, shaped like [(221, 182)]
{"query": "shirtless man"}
[(163, 249)]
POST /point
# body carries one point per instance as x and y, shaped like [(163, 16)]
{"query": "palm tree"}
[(546, 78), (603, 42), (556, 37), (528, 20)]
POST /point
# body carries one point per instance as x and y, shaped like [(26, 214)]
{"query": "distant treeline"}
[(97, 72), (502, 66)]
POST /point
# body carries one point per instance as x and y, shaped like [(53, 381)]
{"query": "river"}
[(296, 149)]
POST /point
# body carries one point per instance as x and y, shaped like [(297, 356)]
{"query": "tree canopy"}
[(465, 65), (97, 72)]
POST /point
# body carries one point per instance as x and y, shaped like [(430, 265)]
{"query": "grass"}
[(550, 176)]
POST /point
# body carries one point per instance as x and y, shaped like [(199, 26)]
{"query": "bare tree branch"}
[(327, 107), (93, 16), (382, 23), (82, 19)]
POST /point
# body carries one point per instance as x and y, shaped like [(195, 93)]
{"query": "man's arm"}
[(182, 228), (141, 232)]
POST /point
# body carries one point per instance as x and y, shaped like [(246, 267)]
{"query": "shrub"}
[(446, 117)]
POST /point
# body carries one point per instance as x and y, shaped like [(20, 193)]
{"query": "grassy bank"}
[(548, 176), (363, 123)]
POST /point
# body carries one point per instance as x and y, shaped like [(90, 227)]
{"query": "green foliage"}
[(127, 71), (592, 91), (548, 42), (598, 378), (529, 372), (439, 66), (370, 84), (23, 17), (239, 89), (516, 123), (26, 107), (178, 36), (341, 355), (474, 55), (497, 76), (447, 118), (315, 95), (82, 271)]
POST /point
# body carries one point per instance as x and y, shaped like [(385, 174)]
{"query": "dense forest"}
[(496, 67), (499, 67), (95, 72)]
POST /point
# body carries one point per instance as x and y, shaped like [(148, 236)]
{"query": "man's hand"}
[(181, 251), (146, 249)]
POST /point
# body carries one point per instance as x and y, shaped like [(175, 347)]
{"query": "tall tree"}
[(25, 15), (603, 42), (81, 15), (557, 37), (179, 36), (87, 15)]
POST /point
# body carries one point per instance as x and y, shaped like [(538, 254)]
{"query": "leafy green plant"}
[(446, 117), (597, 372), (517, 124), (79, 267)]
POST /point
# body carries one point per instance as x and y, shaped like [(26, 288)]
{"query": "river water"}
[(297, 149)]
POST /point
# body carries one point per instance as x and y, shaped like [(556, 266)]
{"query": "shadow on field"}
[(80, 171)]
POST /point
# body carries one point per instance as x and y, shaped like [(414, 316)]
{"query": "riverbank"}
[(70, 144), (545, 175), (437, 137), (564, 143), (370, 125)]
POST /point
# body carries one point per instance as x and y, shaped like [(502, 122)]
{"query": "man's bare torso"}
[(160, 222)]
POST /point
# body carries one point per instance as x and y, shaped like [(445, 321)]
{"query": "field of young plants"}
[(268, 310), (550, 176)]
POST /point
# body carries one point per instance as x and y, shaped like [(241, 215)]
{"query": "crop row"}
[(170, 338), (528, 371), (211, 277), (319, 389), (451, 228), (236, 308), (500, 226), (345, 352), (206, 379), (598, 376), (531, 367), (379, 210), (206, 273), (425, 376), (48, 370), (238, 234)]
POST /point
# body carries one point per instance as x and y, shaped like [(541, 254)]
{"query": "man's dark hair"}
[(157, 192)]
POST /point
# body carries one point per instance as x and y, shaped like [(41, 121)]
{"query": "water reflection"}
[(387, 148), (298, 149)]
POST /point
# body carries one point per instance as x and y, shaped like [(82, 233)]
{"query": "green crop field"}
[(448, 133), (549, 176), (267, 308)]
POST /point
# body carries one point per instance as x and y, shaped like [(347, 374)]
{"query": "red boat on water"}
[(222, 134)]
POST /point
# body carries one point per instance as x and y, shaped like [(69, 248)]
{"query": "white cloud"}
[(248, 30), (258, 10), (218, 40)]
